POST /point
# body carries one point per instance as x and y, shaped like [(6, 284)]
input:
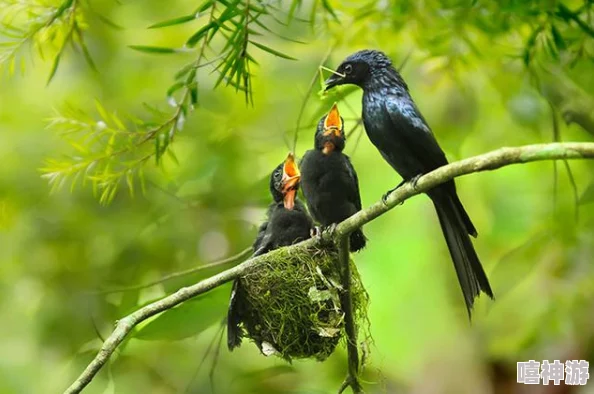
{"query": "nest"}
[(291, 304)]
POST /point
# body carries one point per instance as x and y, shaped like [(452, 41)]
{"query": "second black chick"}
[(330, 183), (287, 223)]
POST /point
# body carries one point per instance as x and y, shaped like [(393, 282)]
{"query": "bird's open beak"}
[(333, 122), (290, 181), (334, 80)]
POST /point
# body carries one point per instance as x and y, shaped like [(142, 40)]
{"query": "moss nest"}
[(291, 304)]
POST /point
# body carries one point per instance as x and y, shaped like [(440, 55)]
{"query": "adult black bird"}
[(329, 181), (287, 223), (397, 128)]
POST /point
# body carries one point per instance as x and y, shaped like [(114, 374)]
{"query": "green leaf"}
[(204, 6), (272, 51), (109, 22), (87, 56), (194, 94), (193, 40), (102, 111), (558, 38), (184, 70), (130, 182), (54, 68), (326, 5), (188, 319), (151, 49), (175, 87), (295, 4), (172, 22)]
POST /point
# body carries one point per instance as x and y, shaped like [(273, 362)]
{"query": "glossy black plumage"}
[(283, 227), (398, 130), (329, 182)]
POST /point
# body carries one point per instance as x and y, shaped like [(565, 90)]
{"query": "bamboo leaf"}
[(203, 7), (130, 182), (172, 22), (194, 94), (85, 51), (272, 51), (152, 49), (175, 87), (109, 22), (193, 40), (326, 5), (54, 68), (558, 38)]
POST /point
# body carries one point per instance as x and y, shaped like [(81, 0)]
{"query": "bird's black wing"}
[(260, 237), (355, 196), (234, 330), (411, 126)]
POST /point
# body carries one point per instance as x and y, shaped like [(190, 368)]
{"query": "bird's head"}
[(358, 68), (284, 182), (330, 132)]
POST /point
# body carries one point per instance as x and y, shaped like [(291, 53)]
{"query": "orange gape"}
[(333, 123), (290, 180)]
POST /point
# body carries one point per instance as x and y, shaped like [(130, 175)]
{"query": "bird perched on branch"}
[(287, 223), (401, 134), (329, 181)]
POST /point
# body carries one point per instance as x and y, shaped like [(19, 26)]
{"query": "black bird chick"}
[(287, 223), (329, 181), (401, 134)]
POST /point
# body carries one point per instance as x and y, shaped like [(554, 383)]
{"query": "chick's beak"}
[(334, 80), (333, 122), (290, 181)]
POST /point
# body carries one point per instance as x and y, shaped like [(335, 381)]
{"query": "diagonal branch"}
[(488, 161)]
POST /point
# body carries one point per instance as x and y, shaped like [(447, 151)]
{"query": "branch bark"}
[(485, 162)]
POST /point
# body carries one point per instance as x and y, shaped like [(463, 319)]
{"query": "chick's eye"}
[(348, 69)]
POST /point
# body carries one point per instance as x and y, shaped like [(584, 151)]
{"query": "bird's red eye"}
[(348, 69)]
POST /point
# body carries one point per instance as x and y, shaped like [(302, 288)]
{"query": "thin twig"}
[(211, 346), (229, 260), (308, 94), (556, 138), (576, 196), (485, 162)]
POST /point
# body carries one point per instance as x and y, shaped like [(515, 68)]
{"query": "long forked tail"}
[(234, 331), (456, 226)]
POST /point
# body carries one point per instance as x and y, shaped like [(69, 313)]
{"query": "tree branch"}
[(487, 161)]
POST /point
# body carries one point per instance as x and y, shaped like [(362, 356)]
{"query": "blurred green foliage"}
[(195, 161)]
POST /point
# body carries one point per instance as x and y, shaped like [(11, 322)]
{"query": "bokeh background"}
[(484, 74)]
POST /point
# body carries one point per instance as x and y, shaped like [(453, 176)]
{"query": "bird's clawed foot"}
[(330, 230), (316, 232), (319, 232), (387, 194), (414, 180)]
